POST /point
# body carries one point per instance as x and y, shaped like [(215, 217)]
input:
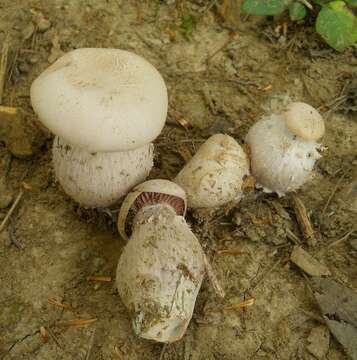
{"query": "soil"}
[(218, 82)]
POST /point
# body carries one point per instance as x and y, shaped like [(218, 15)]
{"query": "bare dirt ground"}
[(217, 82)]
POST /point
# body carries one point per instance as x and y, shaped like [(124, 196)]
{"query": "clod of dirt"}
[(307, 263), (6, 193), (338, 305), (319, 341), (20, 135)]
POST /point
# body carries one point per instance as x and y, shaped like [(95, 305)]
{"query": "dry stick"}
[(163, 351), (12, 209), (345, 237), (91, 343), (213, 278), (307, 4), (332, 194), (303, 220), (3, 65), (266, 273)]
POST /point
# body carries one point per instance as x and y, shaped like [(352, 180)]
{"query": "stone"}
[(319, 341)]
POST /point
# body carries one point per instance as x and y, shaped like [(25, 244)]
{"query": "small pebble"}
[(34, 59), (43, 24), (24, 68)]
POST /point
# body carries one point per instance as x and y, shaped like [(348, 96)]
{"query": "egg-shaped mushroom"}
[(214, 175)]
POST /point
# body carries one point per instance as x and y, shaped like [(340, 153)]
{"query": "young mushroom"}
[(106, 106), (284, 148), (162, 266), (214, 176)]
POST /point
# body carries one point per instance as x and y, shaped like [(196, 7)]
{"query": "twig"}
[(213, 278), (345, 237), (3, 65), (332, 194), (163, 351), (307, 4), (11, 210), (303, 220), (265, 274), (290, 235), (91, 343), (232, 37)]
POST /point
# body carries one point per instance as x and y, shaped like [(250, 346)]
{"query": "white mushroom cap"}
[(304, 121), (101, 99), (100, 179), (214, 176), (149, 192)]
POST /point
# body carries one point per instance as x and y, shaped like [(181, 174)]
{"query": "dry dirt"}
[(217, 83)]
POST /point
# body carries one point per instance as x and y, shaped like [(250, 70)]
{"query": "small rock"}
[(306, 262), (353, 243), (24, 68), (319, 341), (43, 24), (34, 59)]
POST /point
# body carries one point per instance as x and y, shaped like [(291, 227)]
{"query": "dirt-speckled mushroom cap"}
[(101, 99), (304, 121), (151, 192)]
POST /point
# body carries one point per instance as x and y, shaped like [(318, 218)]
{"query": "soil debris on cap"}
[(307, 263)]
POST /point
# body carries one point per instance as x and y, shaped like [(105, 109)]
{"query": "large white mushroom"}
[(162, 266), (284, 148), (214, 176), (106, 106)]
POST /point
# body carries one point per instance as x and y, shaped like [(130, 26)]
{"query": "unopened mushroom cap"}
[(151, 192), (101, 99), (304, 121)]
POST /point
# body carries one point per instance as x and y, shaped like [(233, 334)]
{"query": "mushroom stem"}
[(160, 273), (99, 179)]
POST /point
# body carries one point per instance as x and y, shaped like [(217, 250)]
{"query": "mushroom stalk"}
[(160, 271), (99, 179)]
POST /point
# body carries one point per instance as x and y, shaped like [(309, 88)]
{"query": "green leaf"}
[(351, 2), (297, 11), (264, 7), (337, 25)]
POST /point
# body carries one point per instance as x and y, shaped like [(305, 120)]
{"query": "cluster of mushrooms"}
[(106, 106)]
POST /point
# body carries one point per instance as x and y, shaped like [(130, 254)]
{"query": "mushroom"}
[(284, 148), (162, 266), (106, 106), (214, 176)]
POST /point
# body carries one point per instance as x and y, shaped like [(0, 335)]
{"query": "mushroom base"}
[(160, 273), (99, 179)]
